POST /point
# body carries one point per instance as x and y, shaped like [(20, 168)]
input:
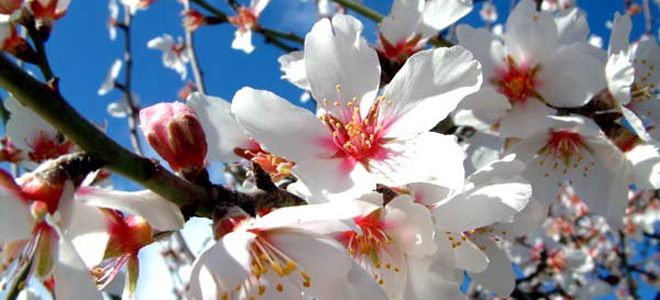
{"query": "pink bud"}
[(174, 131), (7, 7)]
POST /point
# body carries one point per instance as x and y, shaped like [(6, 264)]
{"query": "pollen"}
[(517, 82)]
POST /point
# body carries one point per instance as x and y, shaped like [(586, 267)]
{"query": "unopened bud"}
[(43, 189), (12, 42), (174, 131)]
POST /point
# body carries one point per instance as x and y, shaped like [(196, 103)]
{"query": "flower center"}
[(354, 136), (45, 147), (518, 83), (276, 166), (564, 144), (273, 272), (401, 50), (371, 248), (245, 20)]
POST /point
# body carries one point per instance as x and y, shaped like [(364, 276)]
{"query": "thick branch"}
[(52, 107)]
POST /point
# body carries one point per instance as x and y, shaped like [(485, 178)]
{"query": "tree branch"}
[(52, 107), (194, 62), (361, 9)]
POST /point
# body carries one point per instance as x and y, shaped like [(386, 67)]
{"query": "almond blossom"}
[(109, 83), (246, 21), (175, 55), (29, 133), (575, 152), (36, 216), (535, 64), (276, 256), (229, 142), (412, 22), (359, 139), (631, 77)]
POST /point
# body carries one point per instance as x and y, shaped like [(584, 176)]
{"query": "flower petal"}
[(223, 132), (619, 38), (293, 66), (17, 223), (243, 41), (439, 14), (498, 277), (531, 36), (281, 127), (336, 55), (423, 93), (73, 280), (531, 113), (161, 214), (646, 166), (486, 47), (620, 76), (410, 226), (571, 78), (483, 206), (403, 20)]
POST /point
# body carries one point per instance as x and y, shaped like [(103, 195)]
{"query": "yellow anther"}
[(279, 288), (339, 88)]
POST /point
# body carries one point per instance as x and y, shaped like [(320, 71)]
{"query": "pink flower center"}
[(518, 83), (354, 136), (565, 145), (401, 50)]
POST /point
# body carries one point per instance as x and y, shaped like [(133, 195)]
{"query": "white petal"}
[(432, 280), (646, 166), (363, 286), (336, 54), (620, 76), (281, 127), (87, 229), (486, 47), (620, 33), (243, 41), (531, 36), (109, 83), (418, 160), (498, 277), (24, 126), (223, 132), (293, 66), (482, 206), (487, 106), (428, 194), (73, 279), (637, 125), (526, 221), (258, 6), (572, 26), (324, 218), (439, 14), (161, 214), (222, 267), (423, 93), (328, 275), (469, 257), (403, 20), (411, 226), (571, 78), (525, 119), (118, 109), (17, 223), (502, 169)]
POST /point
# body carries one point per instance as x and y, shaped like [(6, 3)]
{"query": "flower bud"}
[(174, 131), (8, 7)]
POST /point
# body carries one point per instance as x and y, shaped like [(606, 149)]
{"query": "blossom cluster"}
[(523, 159)]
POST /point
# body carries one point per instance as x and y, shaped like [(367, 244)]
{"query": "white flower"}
[(387, 237), (470, 221), (42, 224), (360, 139), (246, 21), (277, 257), (632, 78), (538, 63), (109, 83), (112, 22), (175, 54), (412, 22), (575, 152), (488, 12), (120, 108), (32, 134)]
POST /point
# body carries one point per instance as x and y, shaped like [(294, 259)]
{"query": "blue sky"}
[(81, 52)]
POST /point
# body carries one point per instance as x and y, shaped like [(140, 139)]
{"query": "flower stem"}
[(361, 9)]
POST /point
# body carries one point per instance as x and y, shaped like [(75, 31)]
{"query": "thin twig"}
[(361, 9), (194, 62), (133, 108), (42, 59)]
